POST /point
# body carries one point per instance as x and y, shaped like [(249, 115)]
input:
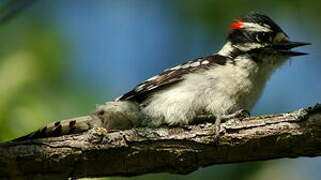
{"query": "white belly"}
[(220, 90)]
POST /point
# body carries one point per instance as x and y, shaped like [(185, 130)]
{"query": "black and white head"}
[(259, 36)]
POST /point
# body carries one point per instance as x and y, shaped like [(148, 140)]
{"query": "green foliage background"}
[(35, 89)]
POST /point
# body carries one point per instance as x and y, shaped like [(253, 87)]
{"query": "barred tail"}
[(59, 128), (114, 115)]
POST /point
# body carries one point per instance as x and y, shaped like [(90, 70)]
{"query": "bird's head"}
[(260, 36)]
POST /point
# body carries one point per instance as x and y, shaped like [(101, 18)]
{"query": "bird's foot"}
[(237, 114), (242, 113)]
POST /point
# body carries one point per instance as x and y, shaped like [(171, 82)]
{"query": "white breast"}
[(220, 90)]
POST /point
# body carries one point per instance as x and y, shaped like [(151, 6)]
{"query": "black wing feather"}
[(171, 76)]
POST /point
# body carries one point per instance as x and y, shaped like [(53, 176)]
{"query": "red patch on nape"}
[(237, 25)]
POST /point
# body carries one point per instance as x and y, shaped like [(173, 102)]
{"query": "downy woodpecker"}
[(220, 85)]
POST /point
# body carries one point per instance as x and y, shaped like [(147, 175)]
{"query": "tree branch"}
[(179, 150)]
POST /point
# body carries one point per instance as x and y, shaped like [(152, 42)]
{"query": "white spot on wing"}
[(151, 87), (170, 73), (205, 62), (141, 87), (153, 78), (185, 66), (195, 64)]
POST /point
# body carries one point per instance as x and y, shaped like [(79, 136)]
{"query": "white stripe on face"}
[(256, 27), (249, 46)]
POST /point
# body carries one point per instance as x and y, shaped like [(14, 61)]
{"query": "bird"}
[(222, 85)]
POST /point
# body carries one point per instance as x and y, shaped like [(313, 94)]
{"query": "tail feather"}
[(59, 128), (114, 115)]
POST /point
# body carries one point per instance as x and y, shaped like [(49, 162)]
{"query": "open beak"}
[(285, 48)]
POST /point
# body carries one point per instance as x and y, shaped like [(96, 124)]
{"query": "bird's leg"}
[(217, 127), (237, 114), (219, 119)]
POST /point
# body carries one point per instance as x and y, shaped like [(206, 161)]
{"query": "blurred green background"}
[(58, 59)]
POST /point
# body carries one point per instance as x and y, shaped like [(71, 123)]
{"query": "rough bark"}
[(179, 150)]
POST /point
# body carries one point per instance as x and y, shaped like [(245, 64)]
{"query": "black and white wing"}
[(171, 76)]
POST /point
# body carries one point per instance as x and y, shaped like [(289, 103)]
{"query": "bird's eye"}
[(263, 37)]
